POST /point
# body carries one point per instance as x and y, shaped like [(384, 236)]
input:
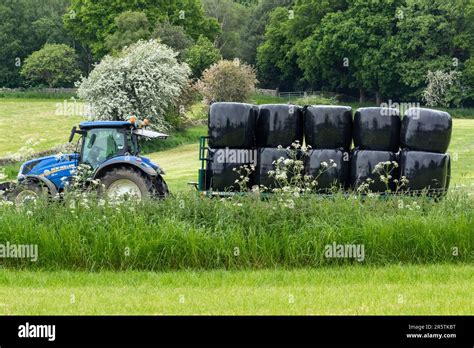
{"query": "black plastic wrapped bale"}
[(279, 124), (426, 130), (318, 163), (377, 129), (425, 171), (222, 164), (265, 159), (362, 167), (328, 126), (232, 125)]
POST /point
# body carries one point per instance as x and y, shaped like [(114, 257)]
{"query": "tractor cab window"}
[(101, 144)]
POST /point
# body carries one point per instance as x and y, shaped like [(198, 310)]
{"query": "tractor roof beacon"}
[(111, 149)]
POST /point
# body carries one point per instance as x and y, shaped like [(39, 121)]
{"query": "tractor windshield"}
[(103, 143)]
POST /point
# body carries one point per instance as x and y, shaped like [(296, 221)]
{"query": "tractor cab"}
[(101, 141)]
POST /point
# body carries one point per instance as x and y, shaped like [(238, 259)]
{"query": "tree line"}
[(380, 49)]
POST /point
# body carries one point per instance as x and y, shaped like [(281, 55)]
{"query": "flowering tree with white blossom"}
[(144, 80)]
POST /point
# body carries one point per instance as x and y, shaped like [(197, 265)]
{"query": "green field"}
[(40, 124), (33, 123), (180, 164), (461, 150), (393, 290)]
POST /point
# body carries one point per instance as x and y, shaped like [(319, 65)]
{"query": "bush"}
[(230, 81), (443, 88), (145, 80), (53, 66)]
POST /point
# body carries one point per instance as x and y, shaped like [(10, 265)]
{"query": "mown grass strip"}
[(343, 290)]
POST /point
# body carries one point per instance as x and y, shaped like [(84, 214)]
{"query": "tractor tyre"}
[(123, 183), (27, 191), (161, 188)]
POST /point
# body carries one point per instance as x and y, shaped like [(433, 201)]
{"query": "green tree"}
[(276, 58), (232, 17), (435, 37), (468, 82), (11, 48), (252, 34), (131, 26), (466, 38), (55, 65), (50, 29), (201, 56), (24, 28), (173, 36), (289, 25), (382, 48), (91, 21), (355, 49)]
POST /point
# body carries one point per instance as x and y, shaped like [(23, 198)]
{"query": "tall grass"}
[(189, 231), (10, 171)]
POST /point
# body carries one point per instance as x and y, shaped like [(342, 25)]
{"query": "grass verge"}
[(187, 231)]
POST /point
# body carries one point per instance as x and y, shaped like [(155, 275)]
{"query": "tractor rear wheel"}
[(161, 187), (123, 183)]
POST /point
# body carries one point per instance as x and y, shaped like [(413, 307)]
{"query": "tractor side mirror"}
[(73, 133)]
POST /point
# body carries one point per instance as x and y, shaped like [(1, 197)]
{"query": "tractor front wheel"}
[(27, 192), (123, 183)]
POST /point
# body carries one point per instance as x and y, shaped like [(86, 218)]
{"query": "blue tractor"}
[(110, 149)]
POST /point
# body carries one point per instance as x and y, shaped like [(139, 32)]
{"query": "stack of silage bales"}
[(277, 125), (376, 139), (328, 131), (243, 134), (231, 143), (425, 137)]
